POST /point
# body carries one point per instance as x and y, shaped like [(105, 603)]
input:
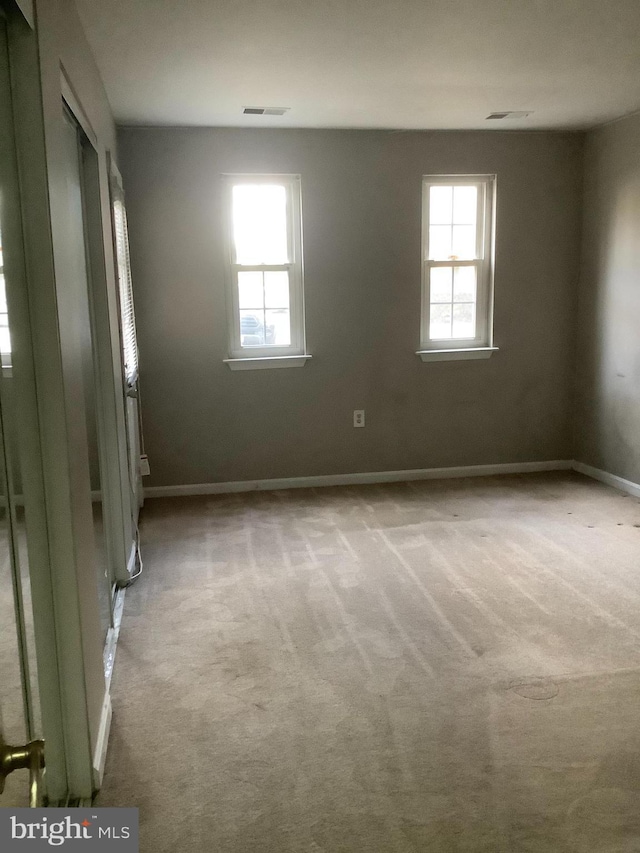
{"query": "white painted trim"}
[(74, 105), (359, 478), (100, 755), (292, 184), (26, 7), (462, 354), (264, 362), (111, 644), (483, 262), (627, 486), (131, 562), (109, 656)]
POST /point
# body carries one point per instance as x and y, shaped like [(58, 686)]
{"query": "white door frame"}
[(73, 696)]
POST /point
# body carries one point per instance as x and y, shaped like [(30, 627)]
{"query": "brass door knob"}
[(28, 757)]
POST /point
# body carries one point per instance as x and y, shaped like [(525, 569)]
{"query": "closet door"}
[(61, 497), (19, 705), (20, 712), (76, 283)]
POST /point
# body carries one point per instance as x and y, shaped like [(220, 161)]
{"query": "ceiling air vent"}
[(509, 114), (265, 111)]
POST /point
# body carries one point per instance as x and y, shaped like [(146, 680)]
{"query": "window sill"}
[(456, 354), (267, 362)]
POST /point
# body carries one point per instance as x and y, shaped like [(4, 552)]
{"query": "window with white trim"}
[(457, 263), (266, 301)]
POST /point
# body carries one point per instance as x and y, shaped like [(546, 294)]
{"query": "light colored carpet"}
[(438, 666)]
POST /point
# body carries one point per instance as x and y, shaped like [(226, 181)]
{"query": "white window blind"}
[(128, 323)]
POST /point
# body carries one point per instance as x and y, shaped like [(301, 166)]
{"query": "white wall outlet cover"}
[(358, 417), (145, 470)]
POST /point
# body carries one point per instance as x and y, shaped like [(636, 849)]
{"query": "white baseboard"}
[(109, 657), (627, 486), (111, 644), (357, 479), (100, 755), (131, 562)]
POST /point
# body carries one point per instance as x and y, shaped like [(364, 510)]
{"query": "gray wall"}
[(361, 219), (608, 410)]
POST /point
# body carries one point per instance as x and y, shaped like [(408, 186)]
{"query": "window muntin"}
[(457, 261), (265, 317), (265, 276)]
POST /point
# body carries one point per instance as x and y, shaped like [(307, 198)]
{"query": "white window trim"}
[(482, 345), (294, 355), (262, 363)]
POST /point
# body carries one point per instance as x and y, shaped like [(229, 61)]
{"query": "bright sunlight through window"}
[(266, 266)]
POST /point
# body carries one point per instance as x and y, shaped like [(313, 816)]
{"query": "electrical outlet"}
[(145, 470), (358, 417)]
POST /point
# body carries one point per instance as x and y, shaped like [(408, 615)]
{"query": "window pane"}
[(440, 322), (260, 224), (252, 330), (464, 284), (439, 242), (276, 289), (278, 327), (464, 241), (440, 280), (250, 290), (440, 205), (5, 338), (465, 205), (464, 320), (3, 295)]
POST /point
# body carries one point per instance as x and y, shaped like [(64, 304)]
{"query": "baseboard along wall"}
[(620, 483), (364, 477), (358, 479)]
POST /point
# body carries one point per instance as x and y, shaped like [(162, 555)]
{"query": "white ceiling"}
[(367, 63)]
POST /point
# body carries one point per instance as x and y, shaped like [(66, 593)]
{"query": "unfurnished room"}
[(320, 424)]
